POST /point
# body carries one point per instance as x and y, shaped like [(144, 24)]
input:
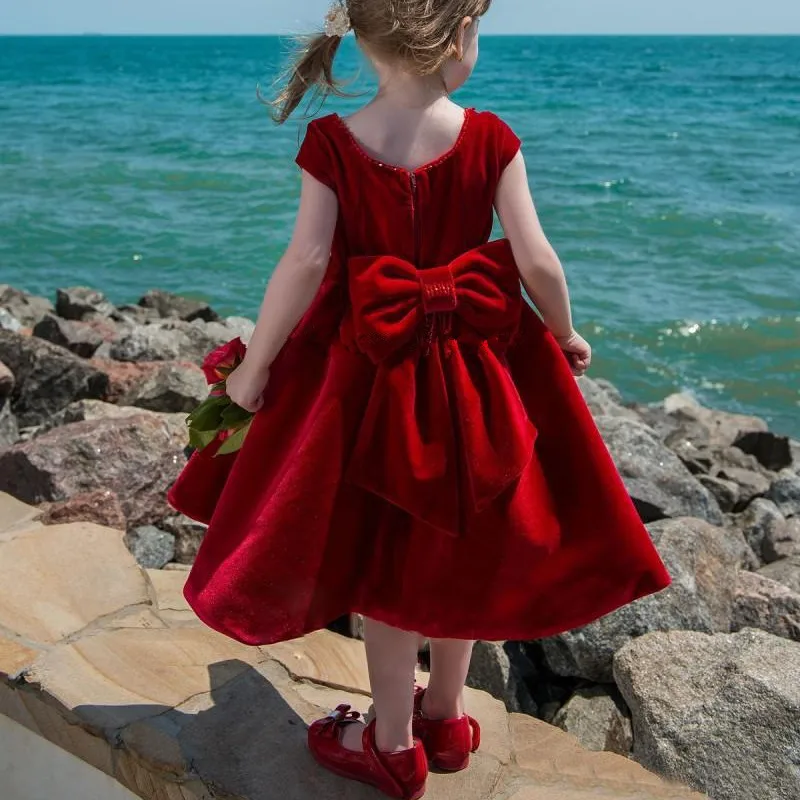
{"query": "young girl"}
[(421, 453)]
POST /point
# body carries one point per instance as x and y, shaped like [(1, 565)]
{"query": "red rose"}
[(221, 362)]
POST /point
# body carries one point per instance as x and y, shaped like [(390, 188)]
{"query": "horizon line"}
[(599, 34)]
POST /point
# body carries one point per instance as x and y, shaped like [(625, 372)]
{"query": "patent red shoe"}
[(401, 775), (447, 742)]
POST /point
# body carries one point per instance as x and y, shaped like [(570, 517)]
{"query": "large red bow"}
[(445, 431)]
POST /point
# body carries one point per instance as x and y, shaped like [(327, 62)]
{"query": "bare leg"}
[(444, 698), (391, 657)]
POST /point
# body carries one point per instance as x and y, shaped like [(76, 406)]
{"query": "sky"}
[(300, 16)]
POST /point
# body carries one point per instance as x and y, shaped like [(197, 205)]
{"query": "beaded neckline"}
[(357, 146)]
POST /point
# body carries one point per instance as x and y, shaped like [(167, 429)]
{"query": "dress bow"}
[(445, 431)]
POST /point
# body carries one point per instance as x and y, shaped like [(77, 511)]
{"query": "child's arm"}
[(290, 291), (540, 269)]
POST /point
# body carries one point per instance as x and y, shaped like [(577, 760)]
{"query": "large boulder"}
[(77, 337), (173, 387), (660, 485), (171, 340), (492, 671), (757, 523), (782, 540), (785, 493), (168, 305), (703, 562), (785, 571), (48, 377), (137, 457), (766, 604), (717, 711), (26, 308), (82, 302)]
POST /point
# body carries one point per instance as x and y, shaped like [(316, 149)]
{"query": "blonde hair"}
[(418, 34)]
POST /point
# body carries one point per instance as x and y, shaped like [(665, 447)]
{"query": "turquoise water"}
[(666, 172)]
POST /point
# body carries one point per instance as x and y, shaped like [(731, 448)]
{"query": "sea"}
[(666, 172)]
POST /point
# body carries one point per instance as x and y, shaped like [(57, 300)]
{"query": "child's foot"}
[(352, 737), (448, 741)]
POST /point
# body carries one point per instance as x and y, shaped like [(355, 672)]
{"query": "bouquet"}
[(218, 417)]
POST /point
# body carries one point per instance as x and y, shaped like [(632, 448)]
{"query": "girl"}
[(421, 453)]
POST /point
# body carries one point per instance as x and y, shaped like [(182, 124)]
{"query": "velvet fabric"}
[(423, 455)]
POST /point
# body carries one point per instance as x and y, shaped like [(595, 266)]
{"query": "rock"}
[(136, 315), (785, 493), (173, 305), (241, 327), (660, 485), (782, 539), (149, 343), (751, 484), (703, 562), (123, 376), (173, 387), (8, 322), (188, 535), (137, 457), (603, 399), (48, 377), (726, 492), (82, 302), (101, 507), (9, 431), (720, 711), (7, 381), (27, 309), (82, 410), (150, 546), (794, 448), (766, 604), (772, 451), (785, 571), (597, 717), (704, 426), (756, 522), (77, 337), (491, 671)]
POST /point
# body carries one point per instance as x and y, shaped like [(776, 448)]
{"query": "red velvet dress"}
[(423, 455)]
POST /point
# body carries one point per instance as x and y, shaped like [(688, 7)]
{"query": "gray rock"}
[(598, 718), (83, 410), (766, 604), (785, 571), (7, 381), (794, 449), (152, 548), (8, 322), (781, 540), (188, 536), (173, 305), (772, 451), (76, 337), (173, 388), (725, 492), (757, 521), (137, 457), (26, 308), (149, 343), (751, 484), (136, 315), (785, 493), (241, 327), (48, 377), (660, 485), (719, 712), (703, 562), (604, 401), (491, 671), (82, 302), (9, 431)]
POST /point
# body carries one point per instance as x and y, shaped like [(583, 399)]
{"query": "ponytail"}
[(312, 71)]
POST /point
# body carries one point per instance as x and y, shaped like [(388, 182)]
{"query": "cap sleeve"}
[(508, 144), (316, 156)]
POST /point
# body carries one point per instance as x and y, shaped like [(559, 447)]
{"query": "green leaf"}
[(234, 416), (201, 439), (234, 442), (208, 415)]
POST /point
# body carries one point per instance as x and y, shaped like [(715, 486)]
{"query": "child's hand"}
[(578, 351), (246, 384)]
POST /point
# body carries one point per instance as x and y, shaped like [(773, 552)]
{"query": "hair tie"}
[(337, 20)]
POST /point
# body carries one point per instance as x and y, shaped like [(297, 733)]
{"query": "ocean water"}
[(666, 172)]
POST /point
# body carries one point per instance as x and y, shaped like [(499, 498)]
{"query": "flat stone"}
[(16, 515), (58, 580), (168, 587), (14, 657)]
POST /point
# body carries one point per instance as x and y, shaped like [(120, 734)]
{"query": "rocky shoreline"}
[(698, 683)]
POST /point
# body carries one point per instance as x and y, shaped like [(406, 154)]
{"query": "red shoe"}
[(448, 742), (402, 775)]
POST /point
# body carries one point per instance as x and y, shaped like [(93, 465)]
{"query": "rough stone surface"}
[(26, 308), (15, 515), (77, 337), (48, 377), (171, 340), (717, 711), (598, 718), (7, 381), (101, 506), (757, 522), (660, 485), (603, 399), (167, 304), (188, 534), (726, 492), (151, 547), (9, 430), (241, 327), (124, 376), (492, 671), (766, 604), (785, 493), (82, 302), (785, 571), (751, 484), (782, 539), (137, 457), (173, 387), (703, 562), (83, 410), (8, 322)]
